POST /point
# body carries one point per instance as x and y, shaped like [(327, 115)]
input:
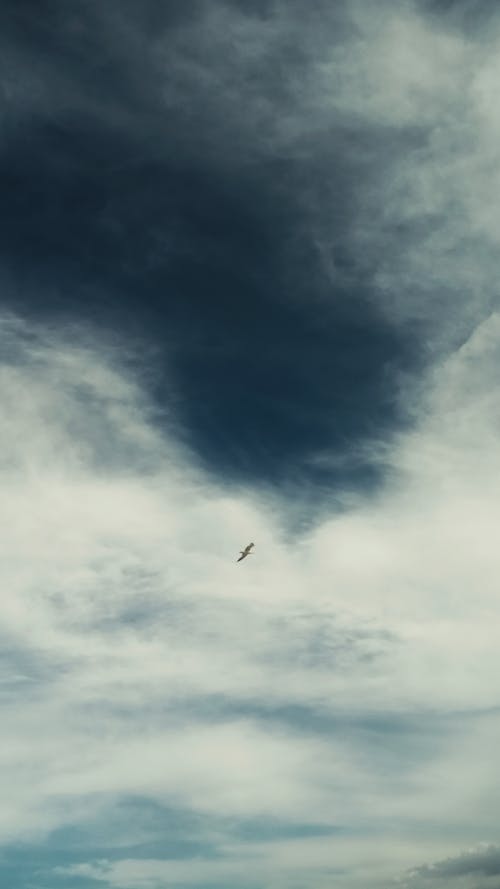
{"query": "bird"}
[(246, 552)]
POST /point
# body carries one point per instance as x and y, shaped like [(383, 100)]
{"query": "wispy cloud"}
[(143, 662)]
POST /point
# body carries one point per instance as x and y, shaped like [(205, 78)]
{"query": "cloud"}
[(385, 126), (346, 678), (354, 150), (398, 103), (478, 867)]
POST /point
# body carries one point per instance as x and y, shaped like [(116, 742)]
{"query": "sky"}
[(249, 291)]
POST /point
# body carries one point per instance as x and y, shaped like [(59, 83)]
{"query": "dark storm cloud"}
[(152, 182)]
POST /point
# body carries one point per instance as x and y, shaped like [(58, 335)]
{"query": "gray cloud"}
[(478, 868)]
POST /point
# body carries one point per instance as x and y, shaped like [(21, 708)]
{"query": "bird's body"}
[(246, 552)]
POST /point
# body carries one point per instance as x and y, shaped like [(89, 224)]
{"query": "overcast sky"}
[(249, 278)]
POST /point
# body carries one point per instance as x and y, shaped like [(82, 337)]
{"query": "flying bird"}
[(246, 552)]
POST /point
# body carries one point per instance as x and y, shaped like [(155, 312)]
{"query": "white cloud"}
[(141, 661)]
